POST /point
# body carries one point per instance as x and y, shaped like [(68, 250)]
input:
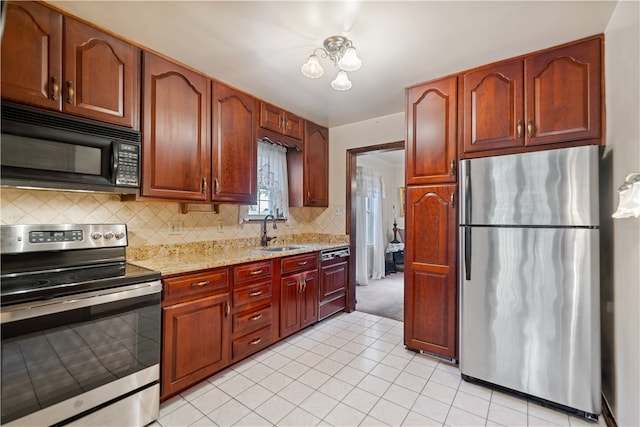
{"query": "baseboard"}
[(607, 414)]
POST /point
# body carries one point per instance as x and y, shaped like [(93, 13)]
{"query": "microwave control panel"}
[(128, 171)]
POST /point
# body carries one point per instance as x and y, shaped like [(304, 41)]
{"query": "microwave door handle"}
[(114, 161)]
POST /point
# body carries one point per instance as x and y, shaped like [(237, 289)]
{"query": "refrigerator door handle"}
[(467, 253), (466, 195)]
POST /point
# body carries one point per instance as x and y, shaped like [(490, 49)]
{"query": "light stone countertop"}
[(194, 261)]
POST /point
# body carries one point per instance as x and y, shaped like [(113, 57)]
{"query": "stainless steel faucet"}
[(264, 241)]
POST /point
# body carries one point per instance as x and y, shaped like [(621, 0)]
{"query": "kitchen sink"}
[(283, 248)]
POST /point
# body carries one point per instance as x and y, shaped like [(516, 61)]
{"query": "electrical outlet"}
[(220, 226), (176, 227)]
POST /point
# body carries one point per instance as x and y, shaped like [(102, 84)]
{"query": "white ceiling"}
[(259, 46)]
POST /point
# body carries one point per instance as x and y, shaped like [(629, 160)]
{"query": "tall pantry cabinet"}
[(430, 249)]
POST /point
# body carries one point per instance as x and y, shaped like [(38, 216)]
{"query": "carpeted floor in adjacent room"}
[(384, 297)]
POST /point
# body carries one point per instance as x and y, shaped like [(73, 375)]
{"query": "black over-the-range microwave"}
[(42, 149)]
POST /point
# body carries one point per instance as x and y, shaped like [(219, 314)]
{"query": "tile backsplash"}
[(156, 223)]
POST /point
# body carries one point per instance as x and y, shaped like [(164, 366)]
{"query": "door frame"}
[(352, 156)]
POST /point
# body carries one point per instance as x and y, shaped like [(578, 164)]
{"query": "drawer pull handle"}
[(255, 293), (253, 273), (256, 317), (256, 341), (302, 262), (203, 283)]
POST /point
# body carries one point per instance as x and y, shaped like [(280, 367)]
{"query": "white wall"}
[(380, 130), (621, 369)]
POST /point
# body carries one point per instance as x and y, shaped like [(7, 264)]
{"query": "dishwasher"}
[(334, 275)]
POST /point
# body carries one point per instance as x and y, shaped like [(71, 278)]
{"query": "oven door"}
[(64, 358)]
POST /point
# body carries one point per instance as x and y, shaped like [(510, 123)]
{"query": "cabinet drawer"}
[(254, 271), (252, 293), (251, 343), (296, 263), (251, 320), (196, 285)]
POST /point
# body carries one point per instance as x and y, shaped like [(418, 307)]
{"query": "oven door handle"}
[(32, 309)]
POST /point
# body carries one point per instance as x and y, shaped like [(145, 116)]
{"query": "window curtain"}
[(272, 177), (369, 184)]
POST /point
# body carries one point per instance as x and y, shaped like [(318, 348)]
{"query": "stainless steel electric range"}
[(80, 328)]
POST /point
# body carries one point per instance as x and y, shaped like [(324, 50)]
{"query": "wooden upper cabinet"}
[(432, 132), (430, 270), (551, 97), (101, 75), (316, 165), (563, 93), (96, 78), (493, 107), (32, 55), (235, 146), (281, 121), (176, 131)]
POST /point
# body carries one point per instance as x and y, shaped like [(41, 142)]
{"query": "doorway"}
[(382, 295)]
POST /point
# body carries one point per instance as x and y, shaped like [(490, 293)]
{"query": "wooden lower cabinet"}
[(333, 287), (298, 293), (430, 270), (195, 341), (252, 325)]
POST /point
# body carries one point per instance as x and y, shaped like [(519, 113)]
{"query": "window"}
[(273, 189)]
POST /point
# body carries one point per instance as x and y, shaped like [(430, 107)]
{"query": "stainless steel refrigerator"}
[(529, 275)]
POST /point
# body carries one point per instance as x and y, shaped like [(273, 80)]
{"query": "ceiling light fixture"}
[(341, 51)]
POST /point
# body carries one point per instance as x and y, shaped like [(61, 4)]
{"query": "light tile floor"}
[(349, 370)]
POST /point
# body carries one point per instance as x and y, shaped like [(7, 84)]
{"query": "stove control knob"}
[(96, 235), (108, 235), (119, 235)]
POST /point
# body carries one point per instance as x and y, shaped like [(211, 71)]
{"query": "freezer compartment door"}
[(552, 187), (529, 317)]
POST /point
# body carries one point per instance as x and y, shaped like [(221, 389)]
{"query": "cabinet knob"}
[(519, 129), (530, 128), (55, 88), (70, 92)]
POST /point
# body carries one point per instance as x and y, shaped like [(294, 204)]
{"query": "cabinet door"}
[(271, 117), (309, 299), (316, 165), (176, 133), (563, 94), (289, 307), (32, 55), (195, 341), (235, 146), (432, 132), (333, 280), (293, 125), (430, 270), (493, 108), (101, 75)]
